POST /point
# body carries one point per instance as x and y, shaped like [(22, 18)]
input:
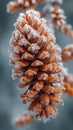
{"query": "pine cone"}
[(37, 62), (67, 53), (13, 6), (22, 120), (58, 18), (68, 84)]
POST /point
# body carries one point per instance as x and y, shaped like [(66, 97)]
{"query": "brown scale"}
[(67, 53), (36, 59), (68, 84), (13, 6), (23, 120)]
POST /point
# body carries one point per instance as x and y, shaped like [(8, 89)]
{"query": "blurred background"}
[(10, 103)]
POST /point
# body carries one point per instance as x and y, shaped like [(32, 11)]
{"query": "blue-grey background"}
[(10, 103)]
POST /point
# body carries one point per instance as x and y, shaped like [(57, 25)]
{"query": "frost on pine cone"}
[(58, 18), (22, 120), (67, 53), (37, 63), (68, 84), (13, 6)]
